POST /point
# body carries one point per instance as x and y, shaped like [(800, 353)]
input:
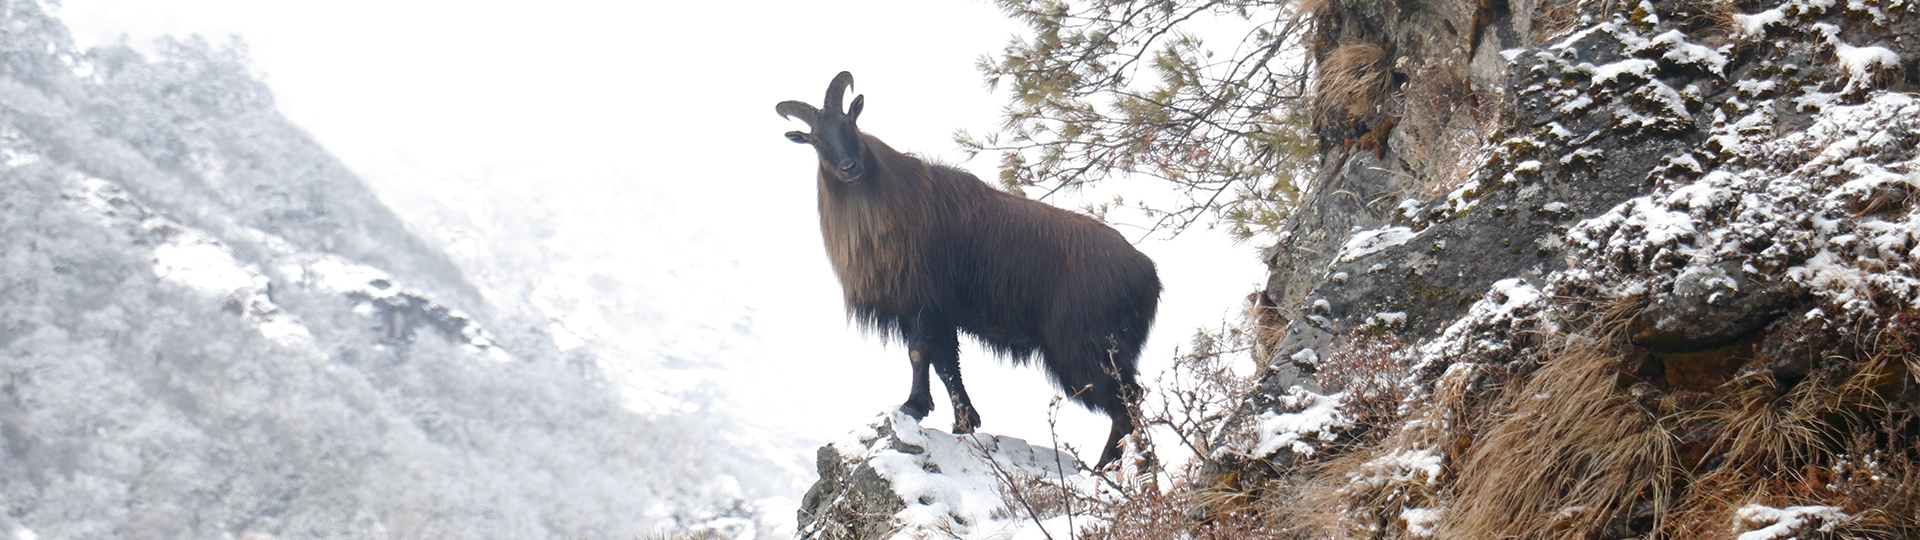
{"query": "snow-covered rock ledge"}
[(895, 479)]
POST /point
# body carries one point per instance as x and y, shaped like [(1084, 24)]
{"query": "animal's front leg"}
[(920, 401), (935, 341)]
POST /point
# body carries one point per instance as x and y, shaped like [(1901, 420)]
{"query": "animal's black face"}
[(835, 136)]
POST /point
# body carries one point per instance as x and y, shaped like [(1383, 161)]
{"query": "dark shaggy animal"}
[(925, 250)]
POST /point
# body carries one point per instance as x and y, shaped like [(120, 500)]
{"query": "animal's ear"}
[(853, 111), (798, 137)]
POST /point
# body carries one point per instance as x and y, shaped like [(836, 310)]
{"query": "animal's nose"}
[(848, 166)]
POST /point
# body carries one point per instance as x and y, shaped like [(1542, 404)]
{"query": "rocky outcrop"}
[(895, 479)]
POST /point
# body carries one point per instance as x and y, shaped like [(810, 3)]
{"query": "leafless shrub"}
[(1372, 372), (1195, 399)]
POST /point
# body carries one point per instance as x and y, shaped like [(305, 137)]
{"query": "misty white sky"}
[(574, 148)]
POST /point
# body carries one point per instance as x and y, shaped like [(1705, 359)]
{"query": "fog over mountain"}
[(210, 328)]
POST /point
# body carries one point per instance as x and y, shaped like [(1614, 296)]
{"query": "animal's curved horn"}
[(794, 109), (836, 90)]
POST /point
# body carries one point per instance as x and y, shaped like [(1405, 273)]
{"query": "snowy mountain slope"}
[(210, 329)]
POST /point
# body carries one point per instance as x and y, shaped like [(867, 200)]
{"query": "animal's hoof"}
[(965, 420), (918, 412), (1109, 460)]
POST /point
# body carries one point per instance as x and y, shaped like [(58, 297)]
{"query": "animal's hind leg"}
[(938, 343), (1118, 410), (1101, 376), (965, 418)]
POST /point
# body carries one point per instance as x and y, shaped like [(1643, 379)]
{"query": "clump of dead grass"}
[(1568, 448), (1352, 82), (1832, 439)]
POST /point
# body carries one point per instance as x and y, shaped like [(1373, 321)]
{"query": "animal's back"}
[(1030, 270)]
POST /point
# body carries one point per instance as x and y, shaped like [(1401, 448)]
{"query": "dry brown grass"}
[(1567, 450), (1713, 21), (1832, 440), (1352, 83), (1266, 324), (1756, 428)]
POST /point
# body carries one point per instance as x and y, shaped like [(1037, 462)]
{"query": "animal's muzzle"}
[(851, 171)]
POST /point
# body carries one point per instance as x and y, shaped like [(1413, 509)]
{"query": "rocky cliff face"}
[(210, 329), (1690, 227)]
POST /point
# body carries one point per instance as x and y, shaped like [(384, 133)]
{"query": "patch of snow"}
[(1637, 67), (1754, 88), (191, 258), (1305, 356), (201, 263), (1567, 42), (1704, 281), (1506, 304), (1783, 523), (1860, 63), (1316, 419), (1680, 51), (1366, 243), (1388, 319), (1421, 521), (16, 159), (1578, 103), (1789, 195), (1755, 25), (1657, 225), (1401, 467)]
